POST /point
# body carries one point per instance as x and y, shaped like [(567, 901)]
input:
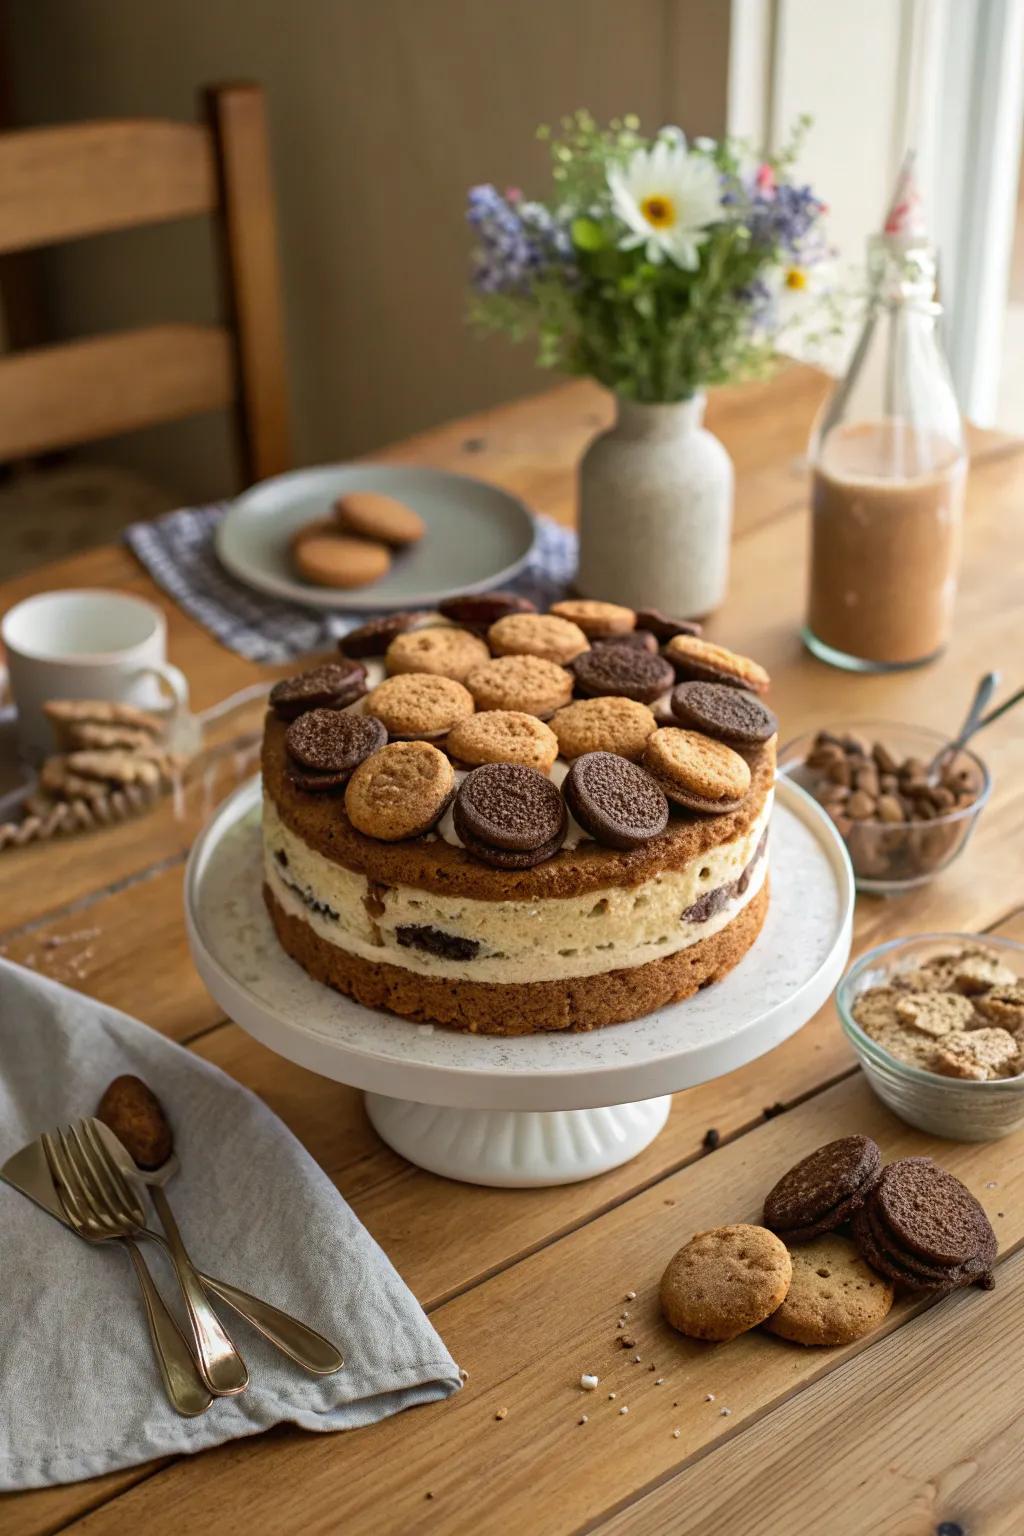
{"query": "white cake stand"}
[(540, 1109)]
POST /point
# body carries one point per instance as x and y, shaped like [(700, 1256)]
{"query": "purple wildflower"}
[(518, 241), (784, 217)]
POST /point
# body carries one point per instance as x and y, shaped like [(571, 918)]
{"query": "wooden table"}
[(916, 1426)]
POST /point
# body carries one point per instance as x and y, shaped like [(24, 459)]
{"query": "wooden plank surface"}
[(525, 1285), (57, 397), (74, 179)]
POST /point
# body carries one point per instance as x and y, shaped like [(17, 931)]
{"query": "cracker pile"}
[(961, 1014)]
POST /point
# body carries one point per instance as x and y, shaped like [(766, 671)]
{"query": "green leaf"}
[(587, 235)]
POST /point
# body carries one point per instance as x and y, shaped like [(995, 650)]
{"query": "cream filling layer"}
[(516, 941)]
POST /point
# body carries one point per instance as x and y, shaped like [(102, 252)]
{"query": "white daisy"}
[(667, 198)]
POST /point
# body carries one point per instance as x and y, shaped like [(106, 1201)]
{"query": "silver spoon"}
[(973, 721)]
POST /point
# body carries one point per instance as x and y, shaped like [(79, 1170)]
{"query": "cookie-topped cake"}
[(506, 821)]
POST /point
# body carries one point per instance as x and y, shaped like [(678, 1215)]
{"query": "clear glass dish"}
[(951, 1107), (891, 857)]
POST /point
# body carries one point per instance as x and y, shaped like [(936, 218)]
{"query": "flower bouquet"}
[(657, 268)]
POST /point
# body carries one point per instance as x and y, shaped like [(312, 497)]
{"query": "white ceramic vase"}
[(655, 511)]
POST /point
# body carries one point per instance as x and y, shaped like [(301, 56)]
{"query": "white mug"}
[(85, 644)]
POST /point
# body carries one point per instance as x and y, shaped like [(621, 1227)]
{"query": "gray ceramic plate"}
[(477, 535)]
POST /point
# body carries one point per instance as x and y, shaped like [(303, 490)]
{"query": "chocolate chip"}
[(622, 670), (334, 685), (326, 741), (434, 941), (615, 800), (711, 1140), (479, 610), (662, 625), (729, 714), (374, 637), (510, 815)]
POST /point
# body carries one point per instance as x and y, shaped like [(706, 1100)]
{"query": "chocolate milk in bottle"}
[(888, 473)]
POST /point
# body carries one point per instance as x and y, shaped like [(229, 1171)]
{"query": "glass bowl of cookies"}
[(937, 1023), (904, 804)]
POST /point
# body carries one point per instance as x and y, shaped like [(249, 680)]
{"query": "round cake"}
[(507, 822)]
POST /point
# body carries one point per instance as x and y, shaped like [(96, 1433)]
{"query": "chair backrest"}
[(67, 182)]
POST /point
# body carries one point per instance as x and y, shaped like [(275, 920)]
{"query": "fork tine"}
[(118, 1187), (88, 1196), (64, 1180), (93, 1186)]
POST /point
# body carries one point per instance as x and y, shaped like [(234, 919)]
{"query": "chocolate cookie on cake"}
[(430, 854)]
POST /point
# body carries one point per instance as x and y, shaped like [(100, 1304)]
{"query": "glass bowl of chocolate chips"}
[(937, 1024), (904, 804)]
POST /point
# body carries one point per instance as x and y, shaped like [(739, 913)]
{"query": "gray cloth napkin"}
[(178, 552), (79, 1390)]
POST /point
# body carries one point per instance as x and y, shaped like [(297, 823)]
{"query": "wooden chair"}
[(67, 182)]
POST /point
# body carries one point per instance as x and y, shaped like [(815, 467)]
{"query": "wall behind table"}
[(382, 113)]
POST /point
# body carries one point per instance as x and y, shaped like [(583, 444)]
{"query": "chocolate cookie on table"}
[(479, 610), (526, 683), (503, 736), (510, 816), (537, 634), (696, 772), (701, 661), (615, 801), (624, 671), (334, 685), (371, 515), (400, 792), (597, 620), (374, 637), (924, 1229), (824, 1189), (728, 714), (419, 705)]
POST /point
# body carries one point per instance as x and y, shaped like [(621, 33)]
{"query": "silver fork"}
[(220, 1364), (92, 1219)]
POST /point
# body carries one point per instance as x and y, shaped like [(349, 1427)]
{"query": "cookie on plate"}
[(725, 1281), (331, 560), (695, 771), (371, 515), (504, 736), (834, 1297)]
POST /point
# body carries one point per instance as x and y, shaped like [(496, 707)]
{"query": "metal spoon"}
[(298, 1341), (973, 721)]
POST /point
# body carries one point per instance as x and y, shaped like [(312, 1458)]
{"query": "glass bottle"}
[(888, 473)]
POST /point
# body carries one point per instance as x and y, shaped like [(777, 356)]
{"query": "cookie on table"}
[(623, 671), (509, 816), (596, 619), (334, 685), (401, 791), (728, 714), (503, 736), (924, 1229), (701, 661), (696, 772), (615, 801), (374, 637), (331, 560), (479, 610), (834, 1297), (443, 651), (526, 683), (537, 634), (725, 1282), (823, 1190), (371, 515), (419, 705), (604, 725)]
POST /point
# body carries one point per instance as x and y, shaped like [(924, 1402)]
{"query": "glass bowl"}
[(951, 1107), (890, 857)]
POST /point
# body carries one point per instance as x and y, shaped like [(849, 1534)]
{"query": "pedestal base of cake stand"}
[(526, 1110), (517, 1149)]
